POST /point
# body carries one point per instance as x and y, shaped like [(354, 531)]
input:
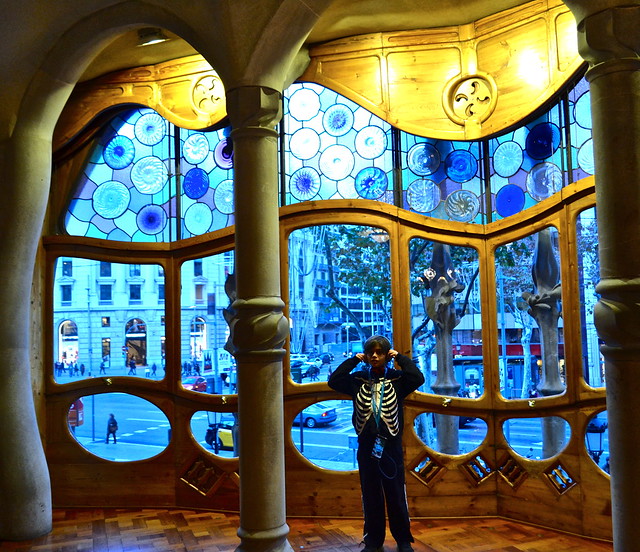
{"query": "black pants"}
[(382, 480)]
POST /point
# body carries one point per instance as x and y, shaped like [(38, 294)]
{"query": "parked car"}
[(195, 383), (315, 415)]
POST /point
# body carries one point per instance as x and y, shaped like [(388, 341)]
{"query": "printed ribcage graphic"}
[(368, 395)]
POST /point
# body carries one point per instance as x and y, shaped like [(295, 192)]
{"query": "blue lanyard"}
[(377, 411)]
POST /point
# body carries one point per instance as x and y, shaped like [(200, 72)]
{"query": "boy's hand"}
[(393, 353), (360, 356)]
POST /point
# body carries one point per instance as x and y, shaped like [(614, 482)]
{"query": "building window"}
[(67, 268), (160, 293), (106, 351), (200, 294), (135, 294), (65, 294), (134, 270), (105, 269), (106, 321), (197, 267), (105, 293)]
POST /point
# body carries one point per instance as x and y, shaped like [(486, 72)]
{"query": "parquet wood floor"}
[(144, 530)]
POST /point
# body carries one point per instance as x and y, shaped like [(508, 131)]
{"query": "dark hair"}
[(374, 340)]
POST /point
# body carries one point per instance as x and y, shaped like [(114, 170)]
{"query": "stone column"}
[(25, 491), (259, 329), (609, 39)]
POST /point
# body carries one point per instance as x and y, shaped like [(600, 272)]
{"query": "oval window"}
[(537, 438), (450, 434), (216, 432), (322, 432), (119, 427), (596, 440)]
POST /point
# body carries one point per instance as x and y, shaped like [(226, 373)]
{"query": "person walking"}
[(378, 392), (112, 428)]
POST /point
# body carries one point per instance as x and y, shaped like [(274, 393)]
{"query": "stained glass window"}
[(334, 148), (528, 164), (441, 178), (136, 187), (147, 180)]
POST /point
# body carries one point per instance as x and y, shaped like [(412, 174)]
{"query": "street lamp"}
[(595, 431), (347, 326)]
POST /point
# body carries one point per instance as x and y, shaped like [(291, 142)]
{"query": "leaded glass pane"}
[(334, 148), (441, 178), (528, 164), (580, 126), (125, 190), (206, 167)]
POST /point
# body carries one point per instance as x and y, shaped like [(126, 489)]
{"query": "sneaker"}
[(373, 549), (405, 547)]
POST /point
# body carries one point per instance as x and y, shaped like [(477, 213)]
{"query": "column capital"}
[(254, 107), (617, 317), (259, 329), (609, 34)]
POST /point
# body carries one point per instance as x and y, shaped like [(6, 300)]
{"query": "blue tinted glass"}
[(334, 149)]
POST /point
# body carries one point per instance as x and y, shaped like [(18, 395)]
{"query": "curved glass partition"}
[(530, 336), (537, 438), (324, 435), (208, 289), (108, 320), (339, 295), (216, 432), (142, 430), (446, 317), (596, 440), (447, 434), (588, 277)]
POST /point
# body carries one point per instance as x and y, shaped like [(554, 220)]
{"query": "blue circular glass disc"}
[(336, 162), (111, 199), (582, 111), (338, 120), (304, 184), (304, 104), (151, 219), (223, 197), (150, 129), (304, 143), (423, 159), (542, 140), (196, 183), (507, 159), (423, 195), (460, 165), (371, 183), (149, 175), (544, 180), (195, 148), (585, 157), (509, 200), (462, 205), (119, 152), (198, 219), (223, 154), (371, 142)]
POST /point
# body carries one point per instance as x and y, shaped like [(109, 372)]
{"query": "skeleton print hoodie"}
[(372, 414)]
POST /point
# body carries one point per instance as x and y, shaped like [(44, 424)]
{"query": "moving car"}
[(195, 383), (219, 436), (315, 415)]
